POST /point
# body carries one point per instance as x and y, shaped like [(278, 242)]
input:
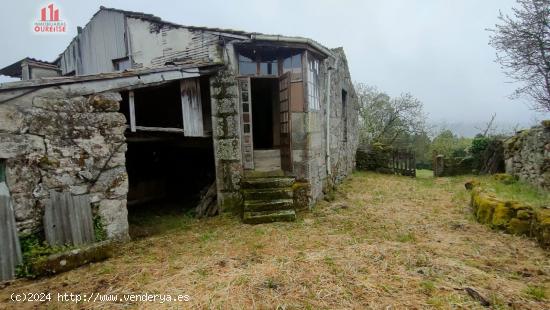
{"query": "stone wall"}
[(52, 141), (510, 216), (343, 142), (527, 155)]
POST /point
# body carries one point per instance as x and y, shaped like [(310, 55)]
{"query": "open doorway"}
[(265, 113), (167, 170)]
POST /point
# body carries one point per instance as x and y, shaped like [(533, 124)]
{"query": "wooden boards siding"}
[(10, 250), (93, 50), (191, 108), (68, 219)]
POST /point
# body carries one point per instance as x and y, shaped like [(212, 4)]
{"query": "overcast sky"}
[(435, 49)]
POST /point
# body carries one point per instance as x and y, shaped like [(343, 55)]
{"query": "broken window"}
[(121, 64), (313, 92), (269, 68), (293, 64), (247, 66), (258, 62)]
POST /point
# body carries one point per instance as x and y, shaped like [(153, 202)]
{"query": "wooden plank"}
[(10, 250), (68, 219), (161, 129), (191, 107), (131, 100)]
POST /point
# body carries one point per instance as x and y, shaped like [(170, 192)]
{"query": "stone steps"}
[(268, 199), (267, 160), (267, 193), (270, 182), (269, 216), (263, 205)]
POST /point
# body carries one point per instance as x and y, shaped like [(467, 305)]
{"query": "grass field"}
[(385, 241)]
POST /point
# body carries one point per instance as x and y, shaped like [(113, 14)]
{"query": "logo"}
[(49, 21)]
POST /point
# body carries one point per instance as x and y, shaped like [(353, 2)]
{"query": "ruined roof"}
[(157, 19), (15, 70), (251, 35), (139, 73)]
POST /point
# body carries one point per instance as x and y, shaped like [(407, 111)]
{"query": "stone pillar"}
[(226, 131)]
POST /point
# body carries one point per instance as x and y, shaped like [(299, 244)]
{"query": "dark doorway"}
[(265, 102), (167, 171), (167, 175)]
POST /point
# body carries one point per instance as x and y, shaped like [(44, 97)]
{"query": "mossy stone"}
[(505, 178), (519, 227), (502, 215)]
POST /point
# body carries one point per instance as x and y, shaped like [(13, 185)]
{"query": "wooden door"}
[(191, 107), (246, 121), (285, 120)]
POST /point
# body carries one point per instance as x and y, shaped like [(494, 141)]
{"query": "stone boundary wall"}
[(510, 216), (527, 155), (446, 167), (50, 140)]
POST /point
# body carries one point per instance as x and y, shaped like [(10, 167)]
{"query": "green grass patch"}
[(518, 191), (424, 174), (537, 293)]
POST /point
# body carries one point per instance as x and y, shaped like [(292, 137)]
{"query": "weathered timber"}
[(68, 219), (10, 250)]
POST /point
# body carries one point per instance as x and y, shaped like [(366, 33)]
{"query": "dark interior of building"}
[(167, 171), (265, 94)]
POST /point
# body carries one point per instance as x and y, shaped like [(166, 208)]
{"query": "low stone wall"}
[(446, 167), (527, 155), (510, 216), (374, 158), (55, 141)]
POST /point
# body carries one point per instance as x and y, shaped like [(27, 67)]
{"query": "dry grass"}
[(385, 241)]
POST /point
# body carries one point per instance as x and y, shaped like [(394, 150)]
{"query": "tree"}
[(522, 42), (385, 119), (448, 144)]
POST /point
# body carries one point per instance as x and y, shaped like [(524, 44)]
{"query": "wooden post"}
[(132, 111), (10, 250)]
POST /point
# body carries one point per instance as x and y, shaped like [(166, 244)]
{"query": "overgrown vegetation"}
[(34, 248), (384, 241), (509, 188), (99, 230)]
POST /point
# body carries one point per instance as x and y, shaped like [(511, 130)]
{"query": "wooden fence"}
[(403, 162)]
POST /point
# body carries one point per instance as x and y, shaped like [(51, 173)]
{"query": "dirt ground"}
[(386, 242)]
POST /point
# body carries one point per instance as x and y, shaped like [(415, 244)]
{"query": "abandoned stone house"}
[(138, 109)]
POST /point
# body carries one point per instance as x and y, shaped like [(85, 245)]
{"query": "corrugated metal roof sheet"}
[(51, 81)]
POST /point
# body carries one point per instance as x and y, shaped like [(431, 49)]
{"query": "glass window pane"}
[(247, 68), (287, 64), (245, 59), (263, 68), (273, 68), (297, 61)]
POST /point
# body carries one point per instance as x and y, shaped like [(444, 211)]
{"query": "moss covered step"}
[(269, 216), (267, 194), (264, 174), (273, 182), (268, 205)]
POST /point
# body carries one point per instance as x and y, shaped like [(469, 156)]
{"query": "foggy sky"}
[(435, 49)]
